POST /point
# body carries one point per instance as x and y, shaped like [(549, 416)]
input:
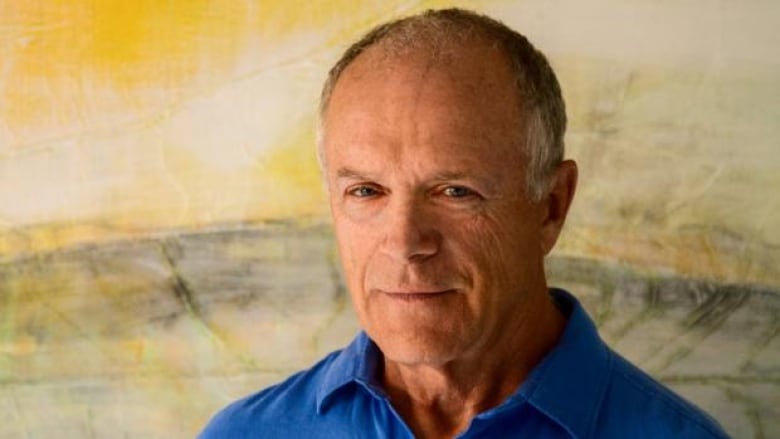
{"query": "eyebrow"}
[(350, 174), (487, 186), (450, 175)]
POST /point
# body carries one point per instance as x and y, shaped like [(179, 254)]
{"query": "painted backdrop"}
[(164, 240)]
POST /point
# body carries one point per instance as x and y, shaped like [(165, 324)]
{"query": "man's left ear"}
[(555, 205)]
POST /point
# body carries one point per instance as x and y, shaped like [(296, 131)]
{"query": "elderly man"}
[(442, 147)]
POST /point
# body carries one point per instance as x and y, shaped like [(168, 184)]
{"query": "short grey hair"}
[(540, 96)]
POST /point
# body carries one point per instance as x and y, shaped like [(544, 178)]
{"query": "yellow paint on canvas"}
[(83, 78), (290, 176)]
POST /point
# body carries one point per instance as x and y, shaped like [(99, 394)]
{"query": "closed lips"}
[(417, 294)]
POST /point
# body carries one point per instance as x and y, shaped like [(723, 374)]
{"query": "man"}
[(442, 147)]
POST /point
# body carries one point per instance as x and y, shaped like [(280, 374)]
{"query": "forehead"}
[(463, 95), (479, 71)]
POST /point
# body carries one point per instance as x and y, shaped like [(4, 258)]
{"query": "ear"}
[(555, 205)]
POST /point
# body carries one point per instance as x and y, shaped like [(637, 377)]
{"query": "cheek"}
[(345, 239), (483, 239), (488, 233), (500, 246), (354, 244)]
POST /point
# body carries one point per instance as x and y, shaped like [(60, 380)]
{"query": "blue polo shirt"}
[(581, 389)]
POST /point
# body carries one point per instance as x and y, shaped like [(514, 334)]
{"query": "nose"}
[(410, 232)]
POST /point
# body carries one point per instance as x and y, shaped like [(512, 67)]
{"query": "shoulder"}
[(273, 411), (634, 402)]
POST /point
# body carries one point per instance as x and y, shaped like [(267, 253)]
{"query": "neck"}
[(439, 400)]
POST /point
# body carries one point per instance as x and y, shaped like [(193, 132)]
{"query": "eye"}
[(362, 191), (457, 192)]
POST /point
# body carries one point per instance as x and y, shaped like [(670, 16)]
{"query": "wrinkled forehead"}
[(474, 80), (461, 101)]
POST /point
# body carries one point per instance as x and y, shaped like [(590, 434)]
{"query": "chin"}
[(417, 348)]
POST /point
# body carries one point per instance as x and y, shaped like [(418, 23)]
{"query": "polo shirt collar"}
[(359, 362), (570, 383)]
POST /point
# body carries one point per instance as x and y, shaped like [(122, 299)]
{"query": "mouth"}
[(417, 296)]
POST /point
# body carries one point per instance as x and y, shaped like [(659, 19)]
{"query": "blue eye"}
[(363, 192), (457, 191)]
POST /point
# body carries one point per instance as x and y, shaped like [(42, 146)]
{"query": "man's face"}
[(440, 245)]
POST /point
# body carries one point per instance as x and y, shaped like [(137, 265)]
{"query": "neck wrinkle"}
[(441, 400)]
